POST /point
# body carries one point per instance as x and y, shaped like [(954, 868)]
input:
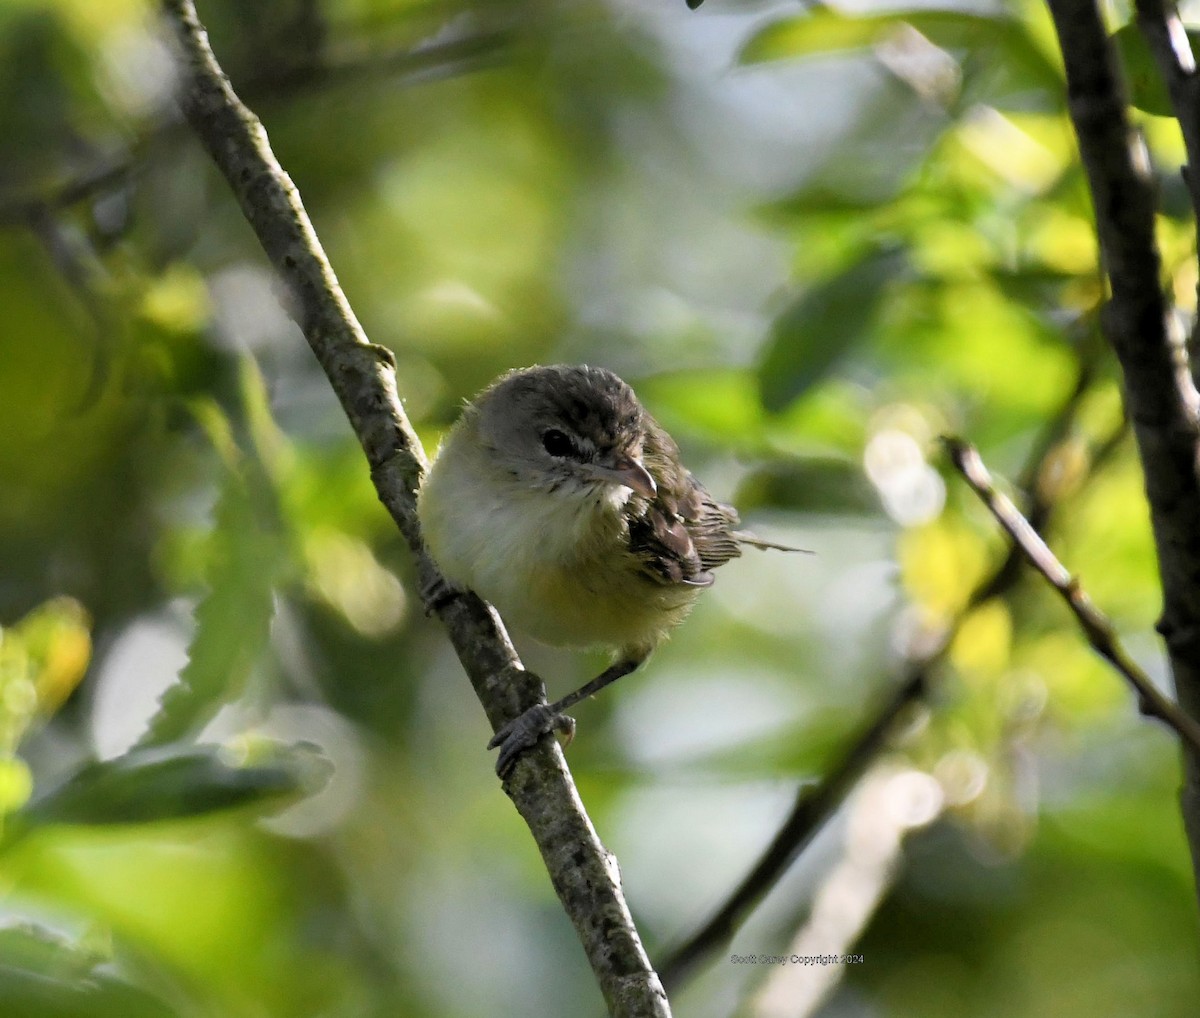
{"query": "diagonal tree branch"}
[(816, 803), (584, 874), (1159, 393), (1095, 624), (813, 807)]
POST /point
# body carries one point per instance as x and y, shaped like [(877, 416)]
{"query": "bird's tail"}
[(745, 537)]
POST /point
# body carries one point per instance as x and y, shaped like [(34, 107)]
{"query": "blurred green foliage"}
[(241, 776)]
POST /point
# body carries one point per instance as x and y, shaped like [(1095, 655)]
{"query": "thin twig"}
[(813, 807), (79, 265), (1095, 624), (584, 874), (1039, 506), (815, 804), (413, 65), (427, 62), (1164, 33)]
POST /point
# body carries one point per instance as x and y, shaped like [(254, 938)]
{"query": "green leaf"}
[(823, 324), (1147, 90), (1033, 285), (44, 975), (818, 484), (247, 558), (819, 198), (147, 785), (84, 995), (719, 404), (825, 32), (232, 620), (822, 32), (47, 94)]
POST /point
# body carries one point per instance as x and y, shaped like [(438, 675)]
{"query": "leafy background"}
[(241, 774)]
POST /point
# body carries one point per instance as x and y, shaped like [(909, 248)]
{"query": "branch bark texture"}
[(1159, 393), (1095, 624), (583, 872)]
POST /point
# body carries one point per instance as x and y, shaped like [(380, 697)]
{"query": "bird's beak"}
[(625, 470)]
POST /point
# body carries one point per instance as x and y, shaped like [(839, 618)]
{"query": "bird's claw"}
[(524, 731), (437, 593)]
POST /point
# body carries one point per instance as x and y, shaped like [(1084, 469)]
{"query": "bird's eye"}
[(557, 444)]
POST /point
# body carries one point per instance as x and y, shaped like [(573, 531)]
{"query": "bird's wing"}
[(683, 532)]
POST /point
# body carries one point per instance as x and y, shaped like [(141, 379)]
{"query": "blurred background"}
[(813, 240)]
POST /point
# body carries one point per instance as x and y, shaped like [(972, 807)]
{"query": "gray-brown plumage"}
[(682, 533), (559, 499)]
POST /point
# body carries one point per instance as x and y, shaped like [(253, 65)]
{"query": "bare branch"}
[(816, 803), (813, 807), (363, 376), (96, 180), (1095, 624), (1040, 507), (1159, 393), (1164, 33), (431, 61)]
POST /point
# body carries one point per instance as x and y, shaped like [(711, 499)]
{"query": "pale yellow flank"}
[(547, 564)]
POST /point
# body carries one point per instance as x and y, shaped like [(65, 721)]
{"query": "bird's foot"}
[(438, 593), (524, 731)]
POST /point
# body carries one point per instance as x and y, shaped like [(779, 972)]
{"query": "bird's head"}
[(566, 428)]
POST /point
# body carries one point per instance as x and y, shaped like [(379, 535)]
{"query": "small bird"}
[(560, 500)]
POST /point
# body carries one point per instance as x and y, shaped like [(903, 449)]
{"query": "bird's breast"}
[(557, 565)]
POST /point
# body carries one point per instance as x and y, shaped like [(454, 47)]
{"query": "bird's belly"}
[(586, 606), (565, 579)]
